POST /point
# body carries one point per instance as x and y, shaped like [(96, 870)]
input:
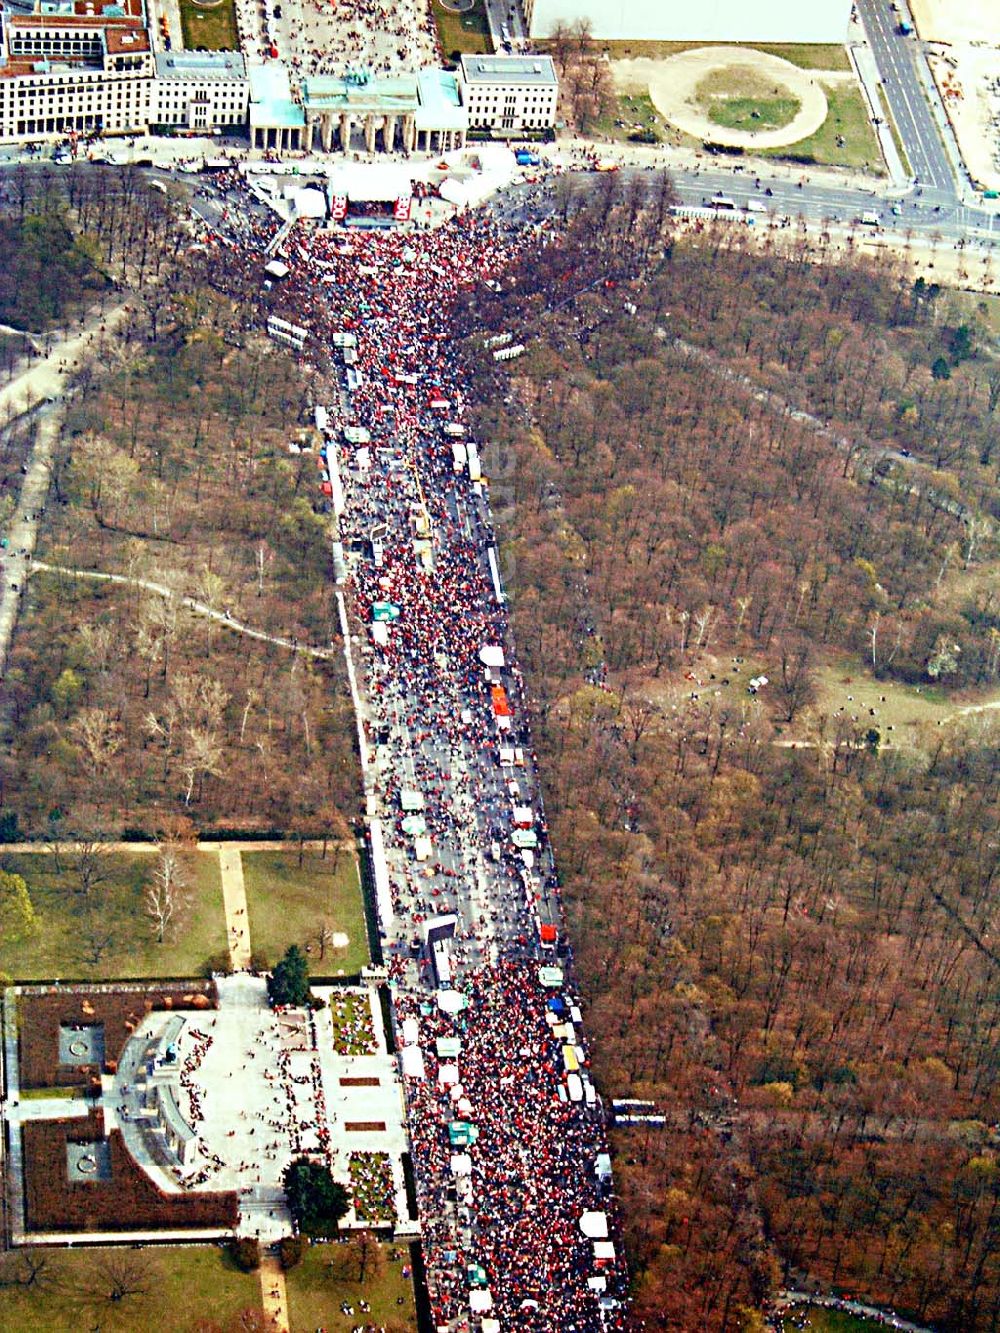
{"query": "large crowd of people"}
[(433, 727)]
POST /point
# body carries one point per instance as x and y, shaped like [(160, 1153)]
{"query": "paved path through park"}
[(273, 1293), (45, 378), (234, 897), (191, 603)]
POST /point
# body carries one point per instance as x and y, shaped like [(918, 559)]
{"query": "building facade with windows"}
[(87, 67), (510, 94), (204, 91)]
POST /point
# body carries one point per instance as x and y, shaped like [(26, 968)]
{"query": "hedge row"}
[(129, 1201), (118, 1009)]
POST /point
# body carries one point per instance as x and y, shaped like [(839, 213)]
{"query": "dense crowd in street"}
[(433, 728)]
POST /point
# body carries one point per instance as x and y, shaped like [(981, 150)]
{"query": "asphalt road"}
[(897, 57), (834, 205)]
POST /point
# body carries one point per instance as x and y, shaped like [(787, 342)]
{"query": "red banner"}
[(402, 210), (338, 207)]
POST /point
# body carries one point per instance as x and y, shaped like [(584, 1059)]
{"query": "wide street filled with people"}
[(453, 778)]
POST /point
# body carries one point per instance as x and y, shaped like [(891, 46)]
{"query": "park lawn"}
[(468, 33), (820, 56), (754, 113), (636, 109), (183, 1284), (847, 115), (288, 904), (740, 98), (315, 1293), (827, 1321), (209, 29), (108, 934)]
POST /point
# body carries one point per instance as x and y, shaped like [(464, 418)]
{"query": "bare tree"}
[(202, 758), (99, 734), (91, 863), (165, 892)]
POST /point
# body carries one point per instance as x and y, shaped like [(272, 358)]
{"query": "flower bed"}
[(353, 1028), (372, 1186)]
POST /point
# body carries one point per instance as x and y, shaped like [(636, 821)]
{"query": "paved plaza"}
[(258, 1088)]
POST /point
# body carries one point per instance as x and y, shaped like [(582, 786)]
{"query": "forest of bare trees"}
[(789, 947), (124, 708)]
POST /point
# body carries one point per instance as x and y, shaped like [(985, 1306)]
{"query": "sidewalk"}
[(272, 1291), (879, 111), (235, 899)]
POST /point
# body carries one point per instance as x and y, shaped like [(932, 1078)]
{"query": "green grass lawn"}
[(108, 933), (181, 1284), (468, 33), (636, 110), (819, 56), (287, 905), (847, 118), (829, 1321), (740, 98), (209, 29), (316, 1289)]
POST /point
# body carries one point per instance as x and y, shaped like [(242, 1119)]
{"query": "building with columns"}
[(420, 112), (277, 120)]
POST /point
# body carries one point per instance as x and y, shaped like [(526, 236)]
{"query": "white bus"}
[(723, 203), (292, 335)]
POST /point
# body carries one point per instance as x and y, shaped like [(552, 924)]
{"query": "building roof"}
[(533, 70), (126, 41), (72, 21), (440, 101), (271, 102), (200, 65), (395, 95)]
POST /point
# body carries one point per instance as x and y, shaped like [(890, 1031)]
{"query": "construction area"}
[(962, 39)]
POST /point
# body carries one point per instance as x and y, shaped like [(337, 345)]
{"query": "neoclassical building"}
[(420, 112)]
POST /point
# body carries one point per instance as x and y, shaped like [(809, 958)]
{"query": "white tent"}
[(594, 1225), (308, 202), (412, 1059), (451, 1001), (371, 182), (480, 1301), (411, 1032), (447, 1075), (461, 1164), (491, 655)]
